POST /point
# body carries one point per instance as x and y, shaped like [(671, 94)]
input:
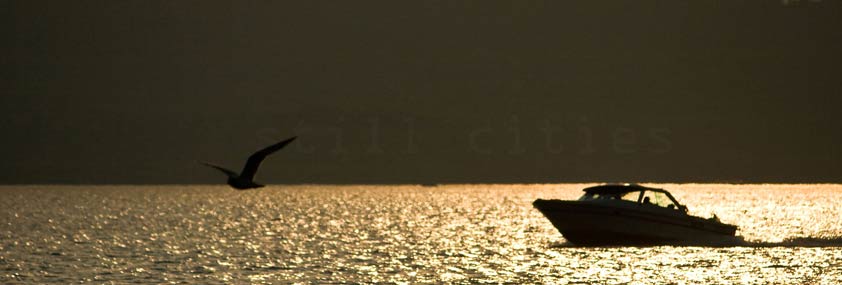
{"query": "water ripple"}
[(396, 234)]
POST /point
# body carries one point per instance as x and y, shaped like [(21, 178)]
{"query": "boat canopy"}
[(618, 189)]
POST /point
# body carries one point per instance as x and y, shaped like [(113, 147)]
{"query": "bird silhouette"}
[(245, 179)]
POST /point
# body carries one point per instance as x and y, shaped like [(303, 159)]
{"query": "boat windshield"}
[(658, 199), (629, 196)]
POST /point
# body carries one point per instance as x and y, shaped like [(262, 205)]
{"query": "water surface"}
[(398, 234)]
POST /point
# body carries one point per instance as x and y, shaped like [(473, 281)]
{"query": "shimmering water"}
[(400, 234)]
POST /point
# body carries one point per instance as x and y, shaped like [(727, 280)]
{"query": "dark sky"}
[(429, 91)]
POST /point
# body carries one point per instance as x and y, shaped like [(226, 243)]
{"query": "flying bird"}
[(245, 180)]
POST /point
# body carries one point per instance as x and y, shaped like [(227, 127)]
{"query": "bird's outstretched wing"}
[(228, 172), (255, 159)]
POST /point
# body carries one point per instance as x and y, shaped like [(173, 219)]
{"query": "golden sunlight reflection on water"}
[(400, 234)]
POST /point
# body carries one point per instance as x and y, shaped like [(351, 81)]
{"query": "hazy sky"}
[(437, 91)]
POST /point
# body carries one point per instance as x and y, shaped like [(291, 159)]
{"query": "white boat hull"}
[(593, 223)]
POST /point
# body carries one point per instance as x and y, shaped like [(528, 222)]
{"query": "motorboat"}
[(630, 214)]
